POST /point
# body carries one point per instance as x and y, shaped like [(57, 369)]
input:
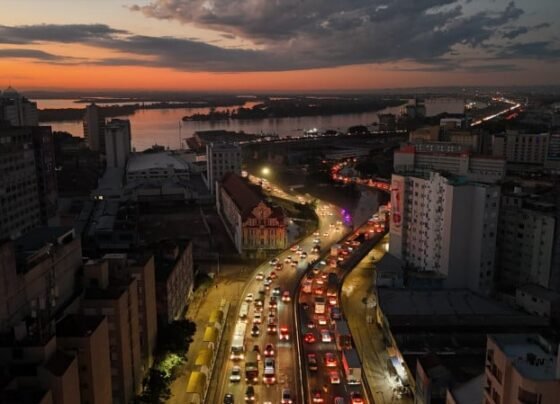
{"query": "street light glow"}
[(265, 171)]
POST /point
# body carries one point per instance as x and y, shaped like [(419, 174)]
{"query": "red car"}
[(284, 333), (309, 338)]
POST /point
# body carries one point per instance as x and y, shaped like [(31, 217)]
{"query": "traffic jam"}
[(262, 333), (331, 364)]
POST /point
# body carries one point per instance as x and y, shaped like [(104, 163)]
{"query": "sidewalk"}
[(357, 287), (228, 285)]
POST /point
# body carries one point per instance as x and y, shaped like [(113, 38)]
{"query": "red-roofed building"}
[(252, 223)]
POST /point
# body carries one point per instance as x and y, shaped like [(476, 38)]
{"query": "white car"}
[(326, 336), (235, 375), (260, 276), (249, 298), (273, 261), (257, 318)]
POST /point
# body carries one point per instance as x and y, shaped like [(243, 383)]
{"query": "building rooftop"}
[(59, 363), (164, 258), (221, 146), (470, 391), (244, 195), (449, 308), (532, 356), (540, 291), (110, 185), (77, 325), (38, 238), (150, 161), (112, 292)]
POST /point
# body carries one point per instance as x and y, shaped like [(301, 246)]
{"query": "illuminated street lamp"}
[(265, 171)]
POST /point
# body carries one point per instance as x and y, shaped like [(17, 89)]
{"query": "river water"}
[(165, 127)]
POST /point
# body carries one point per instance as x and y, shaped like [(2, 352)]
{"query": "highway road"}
[(326, 381), (286, 358)]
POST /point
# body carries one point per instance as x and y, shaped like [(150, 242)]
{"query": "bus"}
[(244, 311), (320, 304), (238, 341), (332, 285), (342, 335)]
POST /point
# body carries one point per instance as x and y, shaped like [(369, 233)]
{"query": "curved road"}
[(287, 362)]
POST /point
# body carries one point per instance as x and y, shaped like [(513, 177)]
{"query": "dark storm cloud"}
[(540, 50), (29, 54), (28, 34), (517, 31), (297, 34)]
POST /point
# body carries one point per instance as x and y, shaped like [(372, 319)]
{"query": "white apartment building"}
[(446, 225), (520, 147), (117, 142), (221, 158), (452, 158), (525, 242), (521, 368)]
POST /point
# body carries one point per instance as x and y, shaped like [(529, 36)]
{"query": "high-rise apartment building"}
[(38, 273), (94, 128), (553, 154), (221, 158), (117, 142), (17, 110), (43, 146), (523, 148), (174, 279), (521, 369), (87, 337), (20, 209), (28, 191), (447, 226), (141, 268), (525, 241), (118, 301)]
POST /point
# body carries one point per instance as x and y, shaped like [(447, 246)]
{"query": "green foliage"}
[(173, 344), (176, 337), (156, 388)]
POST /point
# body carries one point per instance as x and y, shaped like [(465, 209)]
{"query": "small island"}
[(299, 107)]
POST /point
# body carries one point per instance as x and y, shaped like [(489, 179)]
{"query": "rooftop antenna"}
[(180, 139)]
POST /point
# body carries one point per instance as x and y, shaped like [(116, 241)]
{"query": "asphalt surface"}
[(321, 387), (357, 291), (287, 360)]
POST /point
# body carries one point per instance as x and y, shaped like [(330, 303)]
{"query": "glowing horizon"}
[(151, 45)]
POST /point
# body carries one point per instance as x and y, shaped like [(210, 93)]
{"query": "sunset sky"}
[(289, 45)]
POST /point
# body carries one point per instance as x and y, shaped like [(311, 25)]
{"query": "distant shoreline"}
[(76, 114)]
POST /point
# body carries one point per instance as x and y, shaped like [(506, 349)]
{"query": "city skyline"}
[(236, 46)]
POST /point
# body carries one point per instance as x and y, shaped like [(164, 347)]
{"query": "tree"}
[(176, 337), (156, 389)]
